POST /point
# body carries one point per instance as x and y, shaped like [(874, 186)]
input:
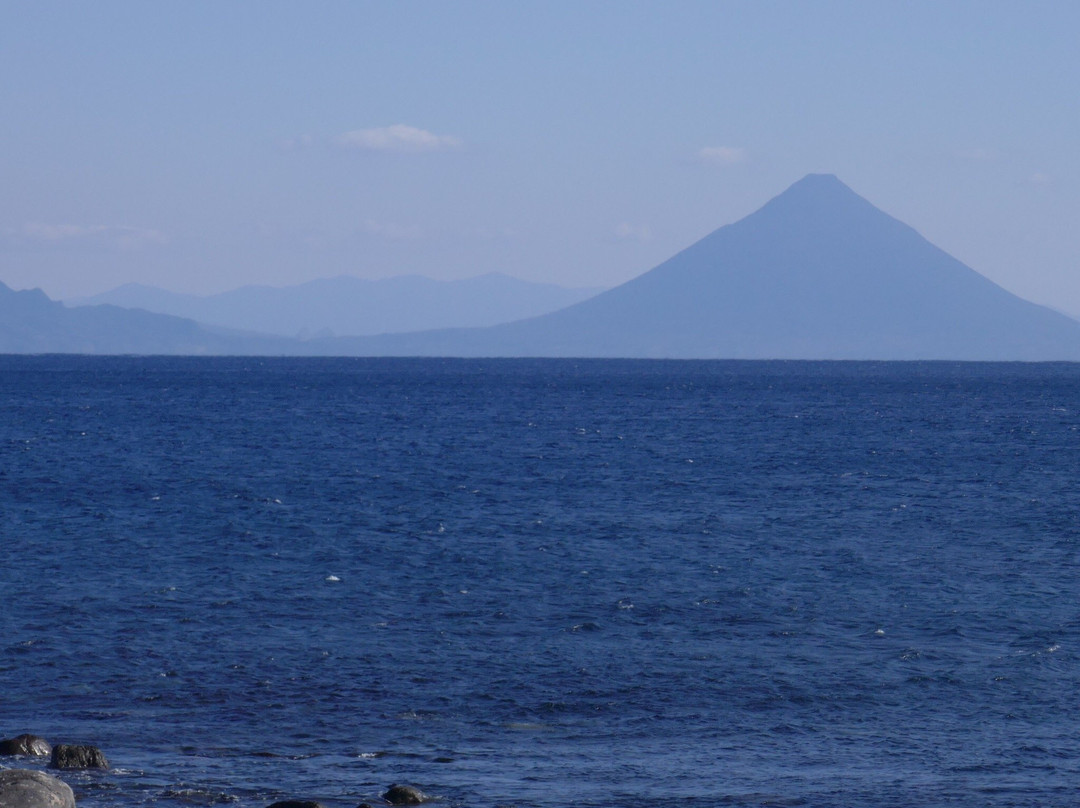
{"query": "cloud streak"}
[(624, 231), (397, 138), (721, 155), (116, 235), (389, 230)]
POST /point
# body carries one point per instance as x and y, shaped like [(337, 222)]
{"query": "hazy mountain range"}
[(349, 305), (817, 273), (32, 323)]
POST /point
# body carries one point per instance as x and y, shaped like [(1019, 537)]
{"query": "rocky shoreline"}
[(31, 788)]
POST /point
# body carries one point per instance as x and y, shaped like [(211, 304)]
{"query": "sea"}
[(544, 583)]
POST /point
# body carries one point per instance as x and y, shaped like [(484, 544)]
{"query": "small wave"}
[(418, 715), (584, 627), (199, 796)]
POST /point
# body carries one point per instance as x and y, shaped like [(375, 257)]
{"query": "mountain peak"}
[(822, 180), (818, 202), (35, 294), (817, 273), (820, 186)]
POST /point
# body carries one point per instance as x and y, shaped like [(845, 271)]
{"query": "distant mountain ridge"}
[(816, 273), (347, 305), (31, 323)]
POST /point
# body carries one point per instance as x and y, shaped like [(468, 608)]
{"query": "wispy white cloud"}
[(721, 155), (116, 235), (399, 138), (389, 230), (38, 231), (1039, 178), (626, 231), (300, 142)]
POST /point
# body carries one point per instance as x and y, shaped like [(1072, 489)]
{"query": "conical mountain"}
[(817, 273)]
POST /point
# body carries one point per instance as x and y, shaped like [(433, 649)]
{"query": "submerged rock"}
[(22, 788), (405, 795), (25, 744), (70, 756), (296, 804)]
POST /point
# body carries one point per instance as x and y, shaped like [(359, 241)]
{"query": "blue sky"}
[(201, 146)]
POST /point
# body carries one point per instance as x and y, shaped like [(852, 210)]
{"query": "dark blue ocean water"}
[(545, 583)]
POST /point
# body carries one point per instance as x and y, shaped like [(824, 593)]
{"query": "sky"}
[(200, 146)]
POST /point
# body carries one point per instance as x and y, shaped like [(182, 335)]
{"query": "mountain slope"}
[(349, 305), (817, 273), (32, 323)]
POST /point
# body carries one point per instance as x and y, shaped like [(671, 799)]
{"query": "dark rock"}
[(69, 756), (297, 804), (22, 788), (405, 795), (25, 745)]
